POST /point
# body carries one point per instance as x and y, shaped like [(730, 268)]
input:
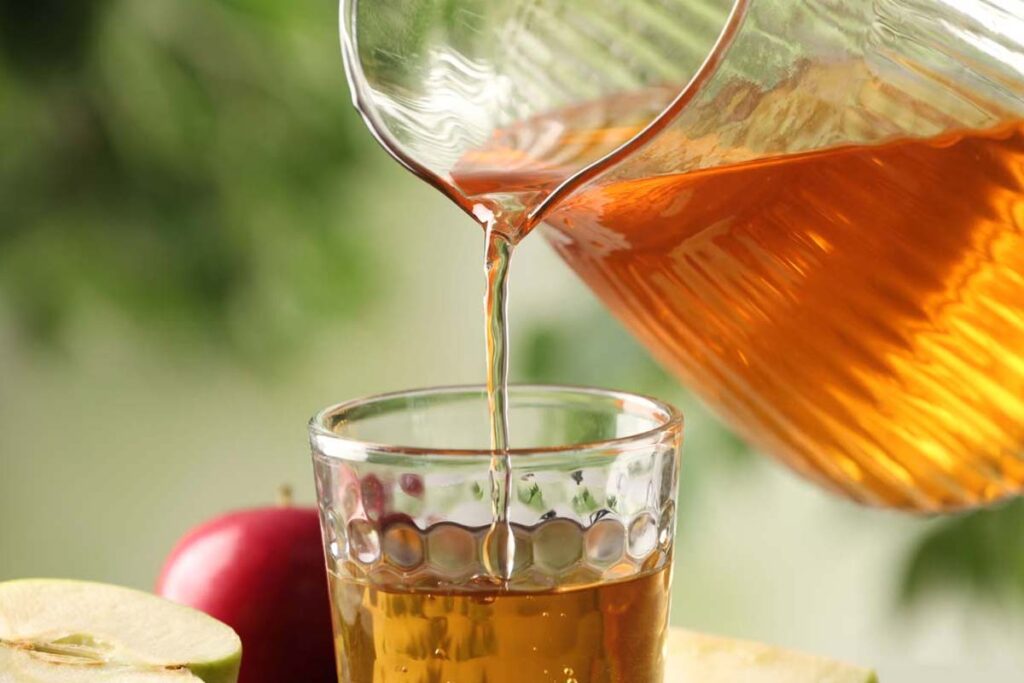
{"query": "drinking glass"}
[(402, 482)]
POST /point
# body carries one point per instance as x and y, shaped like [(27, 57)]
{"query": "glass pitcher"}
[(811, 211)]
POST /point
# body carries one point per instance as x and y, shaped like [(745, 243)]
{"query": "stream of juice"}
[(498, 252), (857, 312)]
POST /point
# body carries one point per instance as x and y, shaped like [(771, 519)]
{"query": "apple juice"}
[(856, 312), (588, 632)]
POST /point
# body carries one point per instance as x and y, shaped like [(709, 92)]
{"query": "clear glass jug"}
[(810, 210)]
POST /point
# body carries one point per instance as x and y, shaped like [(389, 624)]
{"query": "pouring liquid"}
[(498, 253)]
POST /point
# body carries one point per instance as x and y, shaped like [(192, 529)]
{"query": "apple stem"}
[(284, 496)]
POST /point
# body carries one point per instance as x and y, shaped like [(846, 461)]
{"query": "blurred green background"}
[(200, 245)]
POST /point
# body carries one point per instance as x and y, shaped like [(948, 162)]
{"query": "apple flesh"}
[(56, 631), (711, 659), (261, 572), (22, 666)]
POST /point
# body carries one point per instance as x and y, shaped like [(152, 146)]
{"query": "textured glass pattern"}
[(579, 515)]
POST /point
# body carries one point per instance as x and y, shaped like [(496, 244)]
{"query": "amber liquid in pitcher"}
[(857, 312)]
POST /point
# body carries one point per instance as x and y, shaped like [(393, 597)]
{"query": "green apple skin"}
[(150, 636)]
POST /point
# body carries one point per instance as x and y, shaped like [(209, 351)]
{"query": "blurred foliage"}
[(395, 35), (183, 161), (979, 553), (594, 349)]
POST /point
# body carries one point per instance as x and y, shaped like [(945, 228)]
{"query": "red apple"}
[(261, 572)]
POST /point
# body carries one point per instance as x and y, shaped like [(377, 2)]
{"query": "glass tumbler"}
[(403, 489)]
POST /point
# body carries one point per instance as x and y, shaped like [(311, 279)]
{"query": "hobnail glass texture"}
[(594, 487)]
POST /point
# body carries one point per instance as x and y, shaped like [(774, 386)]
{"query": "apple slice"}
[(711, 659), (56, 631)]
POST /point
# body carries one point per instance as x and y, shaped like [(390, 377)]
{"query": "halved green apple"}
[(711, 659), (56, 631)]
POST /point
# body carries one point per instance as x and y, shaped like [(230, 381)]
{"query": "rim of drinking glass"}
[(670, 418)]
